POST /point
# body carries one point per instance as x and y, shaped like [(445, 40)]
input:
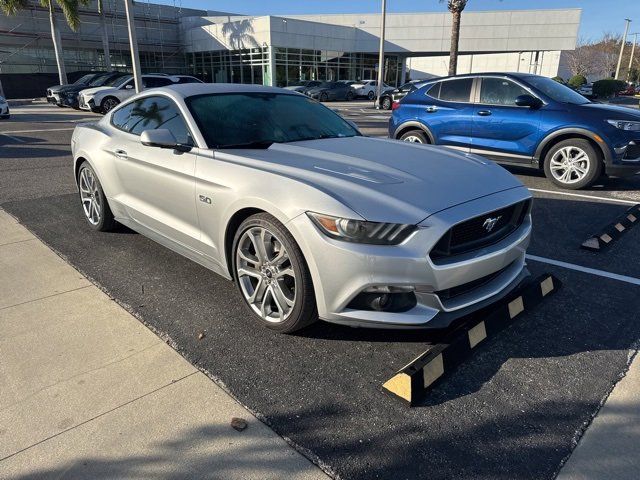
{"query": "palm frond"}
[(11, 7), (71, 14)]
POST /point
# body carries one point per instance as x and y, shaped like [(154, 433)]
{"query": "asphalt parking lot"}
[(514, 410)]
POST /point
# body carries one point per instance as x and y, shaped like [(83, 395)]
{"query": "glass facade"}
[(291, 65)]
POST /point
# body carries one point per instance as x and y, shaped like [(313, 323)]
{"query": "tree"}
[(70, 9), (455, 7), (105, 37), (580, 61)]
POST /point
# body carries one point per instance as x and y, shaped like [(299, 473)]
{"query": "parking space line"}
[(581, 195), (15, 139), (36, 131), (580, 268)]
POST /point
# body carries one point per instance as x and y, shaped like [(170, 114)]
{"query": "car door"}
[(501, 129), (447, 111), (158, 185)]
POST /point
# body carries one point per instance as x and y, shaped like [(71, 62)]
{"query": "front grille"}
[(453, 292), (475, 233)]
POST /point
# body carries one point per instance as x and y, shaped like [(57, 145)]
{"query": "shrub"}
[(608, 87), (559, 80), (577, 81)]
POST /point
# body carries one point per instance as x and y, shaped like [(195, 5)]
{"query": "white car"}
[(4, 108), (104, 99), (586, 89), (368, 88)]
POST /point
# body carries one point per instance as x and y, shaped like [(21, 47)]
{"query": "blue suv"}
[(523, 119)]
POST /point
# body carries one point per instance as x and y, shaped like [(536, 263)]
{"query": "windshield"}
[(98, 81), (556, 91), (83, 79), (234, 120), (118, 81)]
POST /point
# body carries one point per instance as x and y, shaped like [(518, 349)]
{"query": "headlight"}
[(625, 125), (360, 231)]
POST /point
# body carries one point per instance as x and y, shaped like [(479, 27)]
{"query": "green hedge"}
[(577, 81), (559, 80), (608, 87)]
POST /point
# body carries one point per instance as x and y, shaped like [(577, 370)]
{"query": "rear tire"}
[(93, 200), (349, 96), (371, 95), (324, 97), (414, 136), (573, 164), (272, 275), (386, 103)]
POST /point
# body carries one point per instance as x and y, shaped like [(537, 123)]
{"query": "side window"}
[(120, 118), (456, 90), (434, 90), (150, 113), (153, 82), (500, 91)]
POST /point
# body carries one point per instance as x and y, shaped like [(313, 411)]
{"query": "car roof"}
[(483, 74), (190, 89)]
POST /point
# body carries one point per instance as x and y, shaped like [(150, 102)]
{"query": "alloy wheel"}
[(265, 274), (109, 104), (569, 165), (412, 139), (90, 196)]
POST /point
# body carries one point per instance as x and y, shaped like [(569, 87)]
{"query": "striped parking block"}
[(613, 231), (413, 381)]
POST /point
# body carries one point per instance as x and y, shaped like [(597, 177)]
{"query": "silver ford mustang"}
[(309, 218)]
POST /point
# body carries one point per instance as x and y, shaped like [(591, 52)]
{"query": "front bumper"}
[(341, 271), (4, 110), (627, 159), (54, 98)]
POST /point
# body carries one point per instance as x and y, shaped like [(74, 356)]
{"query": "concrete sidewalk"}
[(87, 391)]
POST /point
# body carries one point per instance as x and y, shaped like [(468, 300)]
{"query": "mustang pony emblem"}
[(490, 223)]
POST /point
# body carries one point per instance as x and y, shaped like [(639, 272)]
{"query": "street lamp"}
[(633, 49), (624, 40), (381, 56)]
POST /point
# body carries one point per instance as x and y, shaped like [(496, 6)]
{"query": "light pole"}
[(633, 49), (133, 42), (624, 40), (383, 19)]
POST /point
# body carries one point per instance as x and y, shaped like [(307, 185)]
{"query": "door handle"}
[(484, 113), (121, 154), (431, 109)]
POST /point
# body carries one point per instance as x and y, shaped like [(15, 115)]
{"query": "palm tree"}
[(455, 7), (105, 37), (70, 9)]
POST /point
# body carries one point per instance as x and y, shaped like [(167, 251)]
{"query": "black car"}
[(396, 94), (331, 91), (53, 93), (68, 95)]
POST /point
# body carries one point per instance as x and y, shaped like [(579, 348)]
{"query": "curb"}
[(411, 383)]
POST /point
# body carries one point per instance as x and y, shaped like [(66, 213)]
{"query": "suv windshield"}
[(556, 91), (118, 81), (257, 120), (83, 79)]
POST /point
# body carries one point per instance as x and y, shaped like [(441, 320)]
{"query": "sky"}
[(598, 16)]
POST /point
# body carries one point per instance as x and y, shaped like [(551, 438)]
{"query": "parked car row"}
[(338, 90), (100, 92)]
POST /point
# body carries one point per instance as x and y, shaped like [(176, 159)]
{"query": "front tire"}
[(371, 95), (109, 104), (94, 202), (324, 97), (349, 96), (573, 164), (414, 136), (272, 275), (386, 103)]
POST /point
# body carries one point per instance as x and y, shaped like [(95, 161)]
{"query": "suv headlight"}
[(625, 125), (360, 231)]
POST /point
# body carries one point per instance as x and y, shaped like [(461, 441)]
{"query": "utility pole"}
[(133, 41), (624, 40), (383, 20), (633, 49)]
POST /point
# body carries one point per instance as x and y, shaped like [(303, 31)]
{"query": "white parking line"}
[(15, 139), (596, 197), (36, 131), (580, 268)]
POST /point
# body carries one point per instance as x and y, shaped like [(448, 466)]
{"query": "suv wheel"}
[(272, 276), (109, 104), (573, 164), (386, 103), (371, 95), (414, 136)]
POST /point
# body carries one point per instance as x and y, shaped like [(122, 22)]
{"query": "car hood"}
[(297, 88), (94, 90), (384, 180), (621, 113)]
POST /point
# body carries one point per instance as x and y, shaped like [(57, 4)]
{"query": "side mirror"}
[(128, 87), (528, 101), (162, 138)]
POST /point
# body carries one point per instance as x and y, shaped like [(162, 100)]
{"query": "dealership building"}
[(281, 50)]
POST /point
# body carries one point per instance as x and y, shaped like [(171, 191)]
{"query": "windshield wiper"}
[(263, 145)]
